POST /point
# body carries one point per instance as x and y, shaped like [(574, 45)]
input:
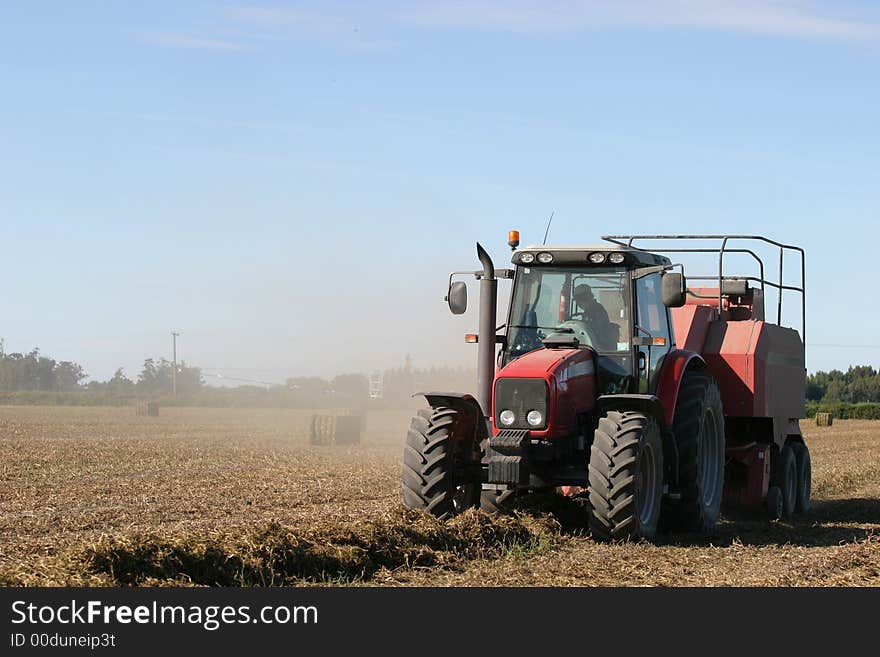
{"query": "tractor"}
[(613, 380)]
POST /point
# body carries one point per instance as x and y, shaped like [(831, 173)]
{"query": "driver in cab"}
[(595, 316)]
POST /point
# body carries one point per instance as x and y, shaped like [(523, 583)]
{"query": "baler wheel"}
[(773, 503), (785, 475), (804, 477), (698, 426), (626, 477), (433, 463)]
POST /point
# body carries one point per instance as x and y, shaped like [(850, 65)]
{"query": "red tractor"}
[(614, 377)]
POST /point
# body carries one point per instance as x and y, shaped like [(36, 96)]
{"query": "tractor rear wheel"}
[(436, 463), (785, 476), (626, 477), (804, 477), (698, 426)]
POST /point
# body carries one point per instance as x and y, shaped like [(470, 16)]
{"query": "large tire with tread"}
[(773, 504), (698, 427), (784, 475), (804, 477), (431, 457), (626, 477)]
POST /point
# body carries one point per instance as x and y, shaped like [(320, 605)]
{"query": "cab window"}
[(652, 319)]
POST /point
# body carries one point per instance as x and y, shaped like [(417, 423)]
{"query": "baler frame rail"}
[(617, 239)]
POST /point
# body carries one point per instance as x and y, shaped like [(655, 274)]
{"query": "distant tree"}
[(309, 390), (860, 383), (189, 379), (155, 378), (836, 392), (33, 371), (149, 380), (120, 384), (68, 376), (814, 391)]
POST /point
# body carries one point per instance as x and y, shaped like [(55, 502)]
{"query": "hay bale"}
[(349, 428), (148, 409), (322, 429), (824, 419), (345, 429)]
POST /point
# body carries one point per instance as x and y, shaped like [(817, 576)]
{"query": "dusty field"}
[(205, 496)]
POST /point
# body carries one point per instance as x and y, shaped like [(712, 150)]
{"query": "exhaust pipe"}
[(486, 340)]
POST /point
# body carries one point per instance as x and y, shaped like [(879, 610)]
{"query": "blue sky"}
[(289, 184)]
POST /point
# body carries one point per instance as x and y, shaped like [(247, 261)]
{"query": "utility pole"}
[(174, 363)]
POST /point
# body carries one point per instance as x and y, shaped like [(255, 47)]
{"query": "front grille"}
[(520, 396)]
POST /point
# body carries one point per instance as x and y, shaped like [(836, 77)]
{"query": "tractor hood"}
[(537, 363), (560, 384)]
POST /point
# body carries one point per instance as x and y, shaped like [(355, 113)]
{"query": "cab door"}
[(652, 326)]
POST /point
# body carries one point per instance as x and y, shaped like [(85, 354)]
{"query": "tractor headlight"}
[(545, 258), (527, 258), (521, 402), (597, 258), (616, 258)]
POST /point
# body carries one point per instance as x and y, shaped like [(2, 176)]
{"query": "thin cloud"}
[(274, 17), (355, 26), (174, 40), (789, 18), (371, 26), (793, 19)]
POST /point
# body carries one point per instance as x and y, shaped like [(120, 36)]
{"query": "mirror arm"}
[(646, 271), (475, 274)]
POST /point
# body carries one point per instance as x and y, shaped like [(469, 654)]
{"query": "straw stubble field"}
[(97, 496)]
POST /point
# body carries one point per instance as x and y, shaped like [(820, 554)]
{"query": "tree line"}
[(398, 385), (35, 378), (858, 385), (34, 372)]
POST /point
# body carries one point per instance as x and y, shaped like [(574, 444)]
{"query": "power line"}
[(244, 369), (239, 379)]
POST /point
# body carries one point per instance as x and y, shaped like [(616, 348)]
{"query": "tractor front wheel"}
[(626, 477), (438, 464)]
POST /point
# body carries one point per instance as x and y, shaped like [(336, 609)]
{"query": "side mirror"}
[(674, 290), (457, 297)]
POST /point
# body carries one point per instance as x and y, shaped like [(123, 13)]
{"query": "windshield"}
[(590, 303)]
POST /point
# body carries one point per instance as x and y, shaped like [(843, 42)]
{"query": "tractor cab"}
[(607, 299)]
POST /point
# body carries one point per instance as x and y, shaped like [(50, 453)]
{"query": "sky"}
[(288, 185)]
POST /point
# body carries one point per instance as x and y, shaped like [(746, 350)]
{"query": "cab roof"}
[(578, 255)]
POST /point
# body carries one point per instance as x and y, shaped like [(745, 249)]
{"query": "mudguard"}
[(472, 415), (648, 404), (675, 364)]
